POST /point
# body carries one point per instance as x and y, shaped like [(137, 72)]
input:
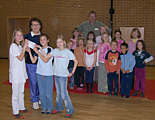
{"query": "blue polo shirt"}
[(34, 38)]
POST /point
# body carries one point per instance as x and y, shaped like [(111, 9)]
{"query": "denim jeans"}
[(113, 76), (62, 95), (71, 82), (45, 84), (126, 83), (34, 91)]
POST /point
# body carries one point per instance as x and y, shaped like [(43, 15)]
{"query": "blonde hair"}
[(60, 36), (105, 33), (14, 34)]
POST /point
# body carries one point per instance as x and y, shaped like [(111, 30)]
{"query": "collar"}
[(33, 34), (125, 53)]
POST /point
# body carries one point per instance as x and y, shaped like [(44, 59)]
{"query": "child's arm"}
[(148, 59), (44, 58), (21, 56), (107, 63), (74, 68), (33, 59)]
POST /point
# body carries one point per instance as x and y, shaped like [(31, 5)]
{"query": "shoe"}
[(141, 94), (115, 94), (24, 111), (35, 105), (135, 94), (42, 112), (48, 113), (127, 96), (68, 116), (55, 112), (18, 116)]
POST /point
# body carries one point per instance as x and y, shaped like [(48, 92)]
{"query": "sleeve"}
[(148, 58), (71, 56), (80, 27), (132, 63), (119, 62), (14, 51), (106, 61)]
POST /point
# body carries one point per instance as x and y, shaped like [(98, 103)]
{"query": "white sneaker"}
[(35, 105), (81, 85)]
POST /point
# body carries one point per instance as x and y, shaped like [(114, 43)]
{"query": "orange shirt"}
[(112, 61), (79, 54)]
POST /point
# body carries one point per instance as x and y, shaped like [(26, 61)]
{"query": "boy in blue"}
[(128, 63), (35, 31)]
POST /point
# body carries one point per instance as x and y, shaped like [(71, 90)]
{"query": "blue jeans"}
[(126, 83), (71, 82), (62, 95), (34, 91), (45, 84), (112, 76), (89, 75)]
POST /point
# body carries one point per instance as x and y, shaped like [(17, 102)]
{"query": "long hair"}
[(138, 31), (14, 34), (77, 42), (105, 33), (143, 44), (75, 29), (117, 30), (94, 37)]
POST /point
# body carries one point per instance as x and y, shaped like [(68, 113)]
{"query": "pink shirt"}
[(119, 45), (131, 46), (74, 43), (103, 49)]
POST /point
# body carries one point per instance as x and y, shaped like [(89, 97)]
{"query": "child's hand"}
[(70, 75), (107, 71), (28, 49), (36, 50), (25, 45), (118, 71), (127, 71), (123, 71)]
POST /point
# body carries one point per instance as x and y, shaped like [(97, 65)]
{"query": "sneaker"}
[(115, 94), (18, 116), (141, 94), (55, 111), (68, 116), (127, 96), (135, 94), (48, 113), (35, 105), (24, 111)]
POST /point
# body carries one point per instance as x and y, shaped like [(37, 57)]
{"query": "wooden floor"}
[(87, 107)]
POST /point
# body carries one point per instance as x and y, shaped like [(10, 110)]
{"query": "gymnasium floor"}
[(87, 107)]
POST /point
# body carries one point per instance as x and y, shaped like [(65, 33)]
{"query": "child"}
[(91, 36), (61, 61), (142, 57), (17, 72), (113, 65), (90, 61), (35, 30), (103, 48), (71, 64), (75, 37), (127, 65), (103, 29), (80, 70), (135, 36), (44, 73), (118, 38)]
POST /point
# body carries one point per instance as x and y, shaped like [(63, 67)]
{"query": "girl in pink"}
[(135, 36), (75, 37), (103, 47), (118, 38)]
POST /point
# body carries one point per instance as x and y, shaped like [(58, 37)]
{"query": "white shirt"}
[(17, 68), (61, 61)]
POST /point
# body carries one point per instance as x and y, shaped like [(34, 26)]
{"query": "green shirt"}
[(87, 27)]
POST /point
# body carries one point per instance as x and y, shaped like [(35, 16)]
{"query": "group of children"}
[(78, 62)]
